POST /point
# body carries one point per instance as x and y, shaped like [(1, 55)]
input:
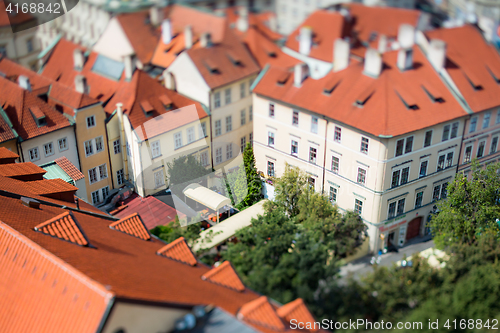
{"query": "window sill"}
[(153, 157)]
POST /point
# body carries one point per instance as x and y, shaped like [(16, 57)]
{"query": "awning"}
[(206, 197)]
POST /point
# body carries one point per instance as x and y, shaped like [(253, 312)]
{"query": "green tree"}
[(183, 170), (174, 230), (471, 209), (253, 181), (236, 186), (287, 190)]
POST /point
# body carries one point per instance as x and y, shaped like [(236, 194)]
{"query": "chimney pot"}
[(129, 67), (32, 203), (155, 15), (81, 85), (242, 22), (206, 39), (24, 82), (437, 54), (188, 37), (406, 36), (78, 59), (373, 63), (340, 55), (300, 74), (382, 44), (405, 59), (169, 80), (166, 31), (305, 40)]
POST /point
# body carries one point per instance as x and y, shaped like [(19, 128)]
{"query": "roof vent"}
[(188, 37), (373, 63), (340, 55), (283, 78), (166, 101), (364, 97), (407, 99), (331, 85), (178, 250), (24, 82), (434, 94), (133, 226), (32, 203), (64, 227), (224, 275), (211, 66)]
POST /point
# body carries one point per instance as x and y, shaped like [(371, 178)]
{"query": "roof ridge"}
[(65, 227), (132, 225), (266, 317), (224, 275), (178, 250)]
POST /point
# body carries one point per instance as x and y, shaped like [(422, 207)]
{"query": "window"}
[(227, 96), (404, 145), (439, 192), (400, 177), (295, 148), (3, 50), (440, 165), (177, 140), (446, 133), (399, 147), (364, 145), (90, 121), (129, 151), (271, 110), (295, 118), (204, 158), (99, 145), (270, 139), (159, 179), (250, 113), (29, 45), (48, 149), (116, 146), (242, 90), (392, 210), (217, 100), (63, 144), (93, 175), (428, 139), (250, 138), (120, 178), (229, 151), (333, 194), (312, 182), (190, 134), (105, 192), (361, 176), (358, 206), (486, 120), (467, 154), (404, 175), (444, 191), (103, 172), (449, 160), (494, 144), (498, 117), (312, 155), (314, 125), (401, 207), (473, 124), (250, 86), (454, 130), (155, 148), (218, 155), (395, 178), (337, 136), (270, 169), (243, 116), (203, 130), (335, 164), (480, 149), (95, 197), (418, 199), (89, 148), (243, 143), (218, 127), (229, 124), (423, 168), (409, 145), (33, 153)]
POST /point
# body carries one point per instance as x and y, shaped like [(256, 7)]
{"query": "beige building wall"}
[(115, 156), (10, 145), (22, 47)]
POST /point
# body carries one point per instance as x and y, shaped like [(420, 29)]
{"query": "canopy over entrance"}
[(206, 197)]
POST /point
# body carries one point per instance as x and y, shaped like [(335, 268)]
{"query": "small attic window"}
[(147, 108), (271, 53), (408, 102), (473, 81), (234, 58), (211, 66), (495, 76), (373, 36), (433, 94), (283, 78), (38, 115), (166, 101), (363, 98), (331, 85)]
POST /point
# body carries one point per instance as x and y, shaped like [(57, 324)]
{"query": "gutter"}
[(259, 77)]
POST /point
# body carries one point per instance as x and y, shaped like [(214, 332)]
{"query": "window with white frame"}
[(63, 144), (358, 206), (227, 95), (428, 138), (159, 178), (243, 90), (120, 177), (116, 146), (314, 124), (103, 171), (243, 117), (494, 144), (190, 134), (250, 113), (156, 149), (250, 138), (204, 158), (129, 151), (33, 154), (229, 124), (404, 146), (217, 100), (312, 154), (270, 139), (498, 117), (218, 127), (93, 178), (486, 120), (99, 144), (271, 110), (480, 149), (364, 145), (396, 208), (446, 132), (294, 148), (335, 164), (89, 148), (445, 161), (90, 121), (440, 191), (473, 124), (229, 151), (400, 176), (250, 86), (468, 154), (423, 168), (295, 118), (178, 140), (270, 169), (419, 197), (361, 179), (333, 194), (312, 182), (105, 192), (337, 136), (218, 155), (203, 130), (243, 143), (48, 149), (454, 130), (96, 198)]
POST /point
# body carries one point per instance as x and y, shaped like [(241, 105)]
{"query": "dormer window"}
[(234, 58), (147, 108), (38, 115), (167, 102)]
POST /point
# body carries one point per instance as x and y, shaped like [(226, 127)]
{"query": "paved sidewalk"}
[(359, 268)]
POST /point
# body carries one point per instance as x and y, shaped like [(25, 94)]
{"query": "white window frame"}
[(229, 151), (250, 113), (399, 170), (314, 124), (96, 172), (356, 201), (243, 143), (243, 90), (218, 155), (334, 191), (202, 132), (338, 164), (159, 178), (65, 140), (217, 100), (92, 118), (405, 146), (243, 117), (120, 177), (484, 149), (218, 127), (446, 135), (270, 163), (416, 197), (422, 161), (191, 137), (35, 152), (454, 126), (204, 158), (117, 147), (296, 145), (103, 171), (227, 96), (425, 137), (45, 146), (486, 120), (98, 195), (271, 110), (271, 139), (496, 145), (177, 140), (445, 154), (337, 130), (311, 159), (469, 159), (155, 149), (367, 145), (229, 124), (105, 192), (361, 175), (102, 144), (295, 116), (473, 120)]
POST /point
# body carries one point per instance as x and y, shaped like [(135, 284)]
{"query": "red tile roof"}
[(296, 310), (69, 168), (462, 64), (152, 211), (178, 250), (383, 112), (53, 188), (133, 226), (7, 155), (12, 70), (65, 227), (22, 171), (225, 275), (42, 293), (6, 131), (260, 312)]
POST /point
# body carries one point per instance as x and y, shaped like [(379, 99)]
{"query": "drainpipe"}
[(461, 145), (119, 111)]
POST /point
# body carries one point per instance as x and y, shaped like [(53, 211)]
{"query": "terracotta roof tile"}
[(6, 131), (65, 227), (8, 155), (12, 70), (225, 275), (133, 226), (69, 168), (53, 188), (22, 171), (178, 250), (296, 310), (260, 312)]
